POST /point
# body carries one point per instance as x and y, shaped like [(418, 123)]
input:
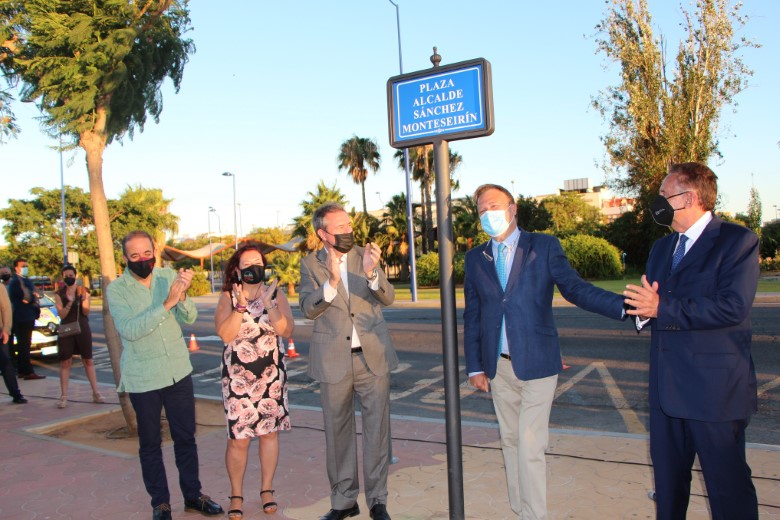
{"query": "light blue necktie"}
[(679, 252), (503, 252)]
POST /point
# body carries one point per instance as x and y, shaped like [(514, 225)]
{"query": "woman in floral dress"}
[(252, 318)]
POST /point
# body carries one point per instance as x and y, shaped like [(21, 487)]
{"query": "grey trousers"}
[(338, 408)]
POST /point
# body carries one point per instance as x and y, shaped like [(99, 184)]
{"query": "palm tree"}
[(358, 155), (302, 223), (421, 160), (466, 221), (288, 269), (393, 236)]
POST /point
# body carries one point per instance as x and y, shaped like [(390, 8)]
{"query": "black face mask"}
[(253, 275), (69, 281), (5, 277), (344, 242), (142, 268), (662, 211)]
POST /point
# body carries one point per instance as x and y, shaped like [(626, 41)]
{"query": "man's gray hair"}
[(318, 219)]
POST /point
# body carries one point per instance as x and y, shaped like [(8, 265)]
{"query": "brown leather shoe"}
[(32, 376)]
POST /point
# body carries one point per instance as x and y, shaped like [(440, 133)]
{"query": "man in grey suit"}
[(342, 289)]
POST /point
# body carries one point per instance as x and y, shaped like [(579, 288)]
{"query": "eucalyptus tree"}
[(358, 156), (95, 69)]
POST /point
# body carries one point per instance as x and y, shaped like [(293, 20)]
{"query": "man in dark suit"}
[(26, 310), (697, 292), (510, 340), (343, 290)]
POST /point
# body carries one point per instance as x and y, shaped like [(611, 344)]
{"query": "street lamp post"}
[(409, 217), (775, 206), (219, 230), (211, 252), (235, 219)]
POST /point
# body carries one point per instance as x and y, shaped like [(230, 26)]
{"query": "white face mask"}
[(494, 223)]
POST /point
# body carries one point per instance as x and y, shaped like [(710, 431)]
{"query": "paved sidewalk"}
[(591, 475)]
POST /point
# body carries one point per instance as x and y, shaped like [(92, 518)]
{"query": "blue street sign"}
[(451, 102)]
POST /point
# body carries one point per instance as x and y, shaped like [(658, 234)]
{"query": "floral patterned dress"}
[(254, 378)]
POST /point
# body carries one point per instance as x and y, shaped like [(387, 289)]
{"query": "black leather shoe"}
[(19, 400), (203, 504), (162, 512), (339, 514), (379, 512)]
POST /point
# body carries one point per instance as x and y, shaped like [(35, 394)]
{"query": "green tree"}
[(423, 171), (393, 233), (302, 223), (33, 230), (770, 239), (571, 214), (288, 269), (661, 113), (359, 155), (95, 70), (754, 211), (532, 216), (273, 236), (465, 222), (142, 208)]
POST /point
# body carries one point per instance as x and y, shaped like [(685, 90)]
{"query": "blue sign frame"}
[(450, 102)]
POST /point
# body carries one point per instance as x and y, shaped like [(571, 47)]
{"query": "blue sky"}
[(275, 87)]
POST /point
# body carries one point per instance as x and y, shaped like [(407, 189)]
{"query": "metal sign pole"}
[(441, 151)]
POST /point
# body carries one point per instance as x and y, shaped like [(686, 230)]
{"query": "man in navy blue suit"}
[(697, 293), (510, 340)]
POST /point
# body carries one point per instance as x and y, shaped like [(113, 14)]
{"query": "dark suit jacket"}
[(330, 353), (23, 312), (700, 362), (539, 264)]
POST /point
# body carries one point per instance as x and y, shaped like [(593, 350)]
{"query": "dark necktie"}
[(679, 252)]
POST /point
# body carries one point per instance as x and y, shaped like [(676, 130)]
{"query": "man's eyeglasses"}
[(676, 195)]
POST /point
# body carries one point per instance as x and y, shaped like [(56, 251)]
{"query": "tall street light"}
[(62, 216), (211, 252), (235, 219), (409, 219)]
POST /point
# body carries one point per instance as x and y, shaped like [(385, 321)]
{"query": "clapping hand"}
[(371, 258)]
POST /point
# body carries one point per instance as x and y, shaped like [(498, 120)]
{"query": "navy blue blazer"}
[(700, 362), (538, 265)]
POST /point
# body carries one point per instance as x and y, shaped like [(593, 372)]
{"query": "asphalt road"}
[(604, 388)]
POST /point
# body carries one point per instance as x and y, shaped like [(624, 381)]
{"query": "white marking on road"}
[(769, 386), (421, 384)]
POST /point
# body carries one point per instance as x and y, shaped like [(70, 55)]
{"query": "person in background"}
[(6, 366), (252, 318), (72, 303), (697, 293), (351, 355), (5, 275), (510, 339), (147, 305), (26, 310)]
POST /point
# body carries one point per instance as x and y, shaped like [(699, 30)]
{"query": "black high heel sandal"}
[(236, 514), (269, 507)]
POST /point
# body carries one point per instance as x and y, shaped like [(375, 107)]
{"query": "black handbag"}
[(73, 328)]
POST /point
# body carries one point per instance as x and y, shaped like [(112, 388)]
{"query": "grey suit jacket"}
[(330, 354)]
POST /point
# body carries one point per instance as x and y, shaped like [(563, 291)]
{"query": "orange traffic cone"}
[(291, 353), (193, 344)]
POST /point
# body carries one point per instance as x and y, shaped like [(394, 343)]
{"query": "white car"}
[(44, 336)]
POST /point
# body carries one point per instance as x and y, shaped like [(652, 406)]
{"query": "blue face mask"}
[(25, 271), (494, 222)]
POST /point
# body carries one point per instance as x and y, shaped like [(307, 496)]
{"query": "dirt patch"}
[(108, 431)]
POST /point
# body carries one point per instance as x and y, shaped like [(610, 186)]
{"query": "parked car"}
[(42, 283), (44, 336)]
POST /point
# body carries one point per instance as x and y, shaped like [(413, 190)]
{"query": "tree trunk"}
[(290, 289), (363, 188), (423, 219), (94, 143), (429, 209)]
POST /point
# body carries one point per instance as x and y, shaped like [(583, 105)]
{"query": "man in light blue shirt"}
[(147, 305)]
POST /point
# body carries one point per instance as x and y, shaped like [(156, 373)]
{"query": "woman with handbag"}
[(74, 335)]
